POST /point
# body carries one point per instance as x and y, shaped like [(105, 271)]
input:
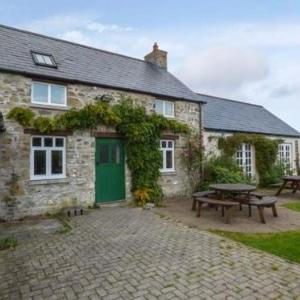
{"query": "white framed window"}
[(244, 159), (47, 157), (167, 153), (165, 108), (49, 94), (285, 154)]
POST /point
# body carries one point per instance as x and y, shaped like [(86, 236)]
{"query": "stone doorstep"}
[(112, 204)]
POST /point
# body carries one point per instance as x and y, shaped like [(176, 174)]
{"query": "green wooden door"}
[(110, 172)]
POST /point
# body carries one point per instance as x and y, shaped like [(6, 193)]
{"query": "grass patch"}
[(293, 205), (283, 244), (8, 242)]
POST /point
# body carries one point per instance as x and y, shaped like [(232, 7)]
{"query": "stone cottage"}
[(223, 117), (65, 168)]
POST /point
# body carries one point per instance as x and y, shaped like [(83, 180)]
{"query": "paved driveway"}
[(120, 253)]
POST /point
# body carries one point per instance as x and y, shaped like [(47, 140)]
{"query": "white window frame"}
[(246, 152), (164, 169), (49, 85), (282, 154), (48, 158), (164, 108)]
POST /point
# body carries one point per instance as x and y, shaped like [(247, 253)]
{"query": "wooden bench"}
[(227, 205), (261, 204), (200, 194)]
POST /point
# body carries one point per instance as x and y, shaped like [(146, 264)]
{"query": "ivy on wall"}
[(265, 151), (141, 131)]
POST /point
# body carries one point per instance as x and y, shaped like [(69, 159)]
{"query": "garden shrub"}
[(222, 170)]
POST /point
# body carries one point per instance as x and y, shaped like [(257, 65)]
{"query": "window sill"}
[(168, 173), (47, 106), (48, 181)]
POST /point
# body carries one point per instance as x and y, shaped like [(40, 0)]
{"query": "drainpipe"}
[(201, 132)]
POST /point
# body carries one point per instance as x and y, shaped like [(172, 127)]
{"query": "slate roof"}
[(83, 64), (233, 116)]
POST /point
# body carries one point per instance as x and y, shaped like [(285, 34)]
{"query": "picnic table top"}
[(233, 187), (291, 178)]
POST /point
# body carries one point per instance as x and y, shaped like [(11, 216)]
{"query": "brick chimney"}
[(157, 57)]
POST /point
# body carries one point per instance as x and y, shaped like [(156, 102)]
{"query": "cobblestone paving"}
[(120, 253)]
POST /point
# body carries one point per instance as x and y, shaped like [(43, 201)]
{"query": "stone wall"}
[(38, 197)]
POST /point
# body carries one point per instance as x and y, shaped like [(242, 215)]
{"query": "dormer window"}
[(42, 59)]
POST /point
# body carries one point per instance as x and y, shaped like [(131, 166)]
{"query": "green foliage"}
[(292, 205), (284, 244), (141, 132), (222, 170), (8, 242), (23, 116), (274, 175), (265, 151), (192, 156)]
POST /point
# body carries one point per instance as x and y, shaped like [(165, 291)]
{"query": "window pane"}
[(169, 108), (57, 162), (36, 142), (39, 162), (40, 58), (163, 144), (57, 94), (159, 108), (40, 92), (48, 142), (170, 144), (59, 142), (47, 59), (104, 154), (169, 159), (115, 154)]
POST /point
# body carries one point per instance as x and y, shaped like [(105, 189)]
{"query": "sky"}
[(247, 50)]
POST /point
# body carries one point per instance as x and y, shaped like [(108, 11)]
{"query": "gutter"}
[(251, 132)]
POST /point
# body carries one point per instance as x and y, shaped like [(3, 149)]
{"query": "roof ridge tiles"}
[(226, 99)]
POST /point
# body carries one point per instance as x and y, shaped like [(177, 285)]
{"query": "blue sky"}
[(246, 50)]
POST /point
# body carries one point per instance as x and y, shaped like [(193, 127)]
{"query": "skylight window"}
[(43, 59)]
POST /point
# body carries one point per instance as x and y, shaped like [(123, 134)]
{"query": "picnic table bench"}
[(294, 181), (261, 204), (227, 205), (201, 194)]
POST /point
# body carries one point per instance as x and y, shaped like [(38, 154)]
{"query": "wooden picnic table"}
[(233, 189), (293, 180)]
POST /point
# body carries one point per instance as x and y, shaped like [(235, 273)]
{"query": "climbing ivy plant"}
[(265, 151), (141, 131)]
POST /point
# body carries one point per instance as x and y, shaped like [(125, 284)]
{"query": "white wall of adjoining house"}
[(210, 141), (79, 187)]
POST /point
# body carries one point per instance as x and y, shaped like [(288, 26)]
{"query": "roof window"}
[(43, 59)]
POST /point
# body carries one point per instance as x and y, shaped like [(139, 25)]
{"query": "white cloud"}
[(223, 68)]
